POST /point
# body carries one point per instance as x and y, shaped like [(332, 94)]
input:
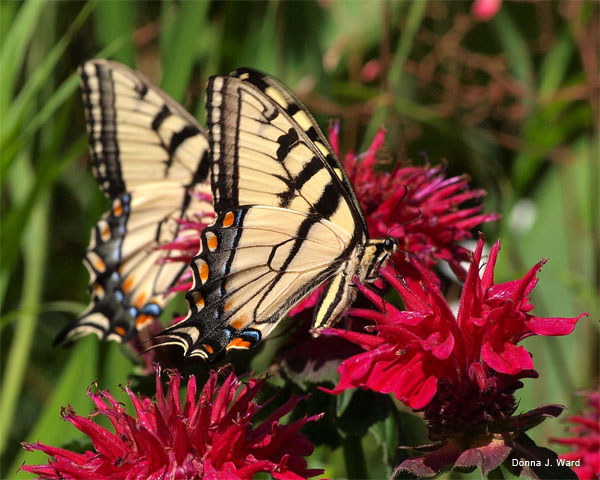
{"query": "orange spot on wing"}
[(198, 299), (238, 343), (105, 233), (120, 331), (139, 302), (228, 220), (99, 265), (208, 348), (212, 242), (117, 208), (204, 272), (127, 284), (228, 305), (142, 320), (239, 322)]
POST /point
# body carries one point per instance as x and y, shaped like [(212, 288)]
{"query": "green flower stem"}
[(354, 458), (496, 474)]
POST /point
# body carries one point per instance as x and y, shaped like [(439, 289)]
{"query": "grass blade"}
[(115, 20), (80, 371), (516, 49), (34, 258), (24, 102), (413, 22), (396, 75), (179, 55), (14, 47), (555, 65), (18, 217)]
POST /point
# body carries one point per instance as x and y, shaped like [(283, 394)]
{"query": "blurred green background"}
[(512, 101)]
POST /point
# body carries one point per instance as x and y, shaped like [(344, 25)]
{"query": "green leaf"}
[(49, 108), (362, 409), (16, 220), (116, 369), (73, 308), (401, 84), (386, 436), (25, 101), (546, 130), (413, 22), (555, 64), (354, 457), (32, 243), (19, 352)]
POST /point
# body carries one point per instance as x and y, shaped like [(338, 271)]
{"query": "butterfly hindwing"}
[(250, 272), (150, 157)]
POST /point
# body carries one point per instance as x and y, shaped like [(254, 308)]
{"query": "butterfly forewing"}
[(285, 222), (150, 157), (295, 109)]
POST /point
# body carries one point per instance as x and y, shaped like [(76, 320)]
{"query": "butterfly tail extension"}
[(211, 327)]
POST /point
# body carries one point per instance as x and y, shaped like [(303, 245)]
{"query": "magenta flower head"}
[(462, 370), (417, 205), (212, 437), (584, 439)]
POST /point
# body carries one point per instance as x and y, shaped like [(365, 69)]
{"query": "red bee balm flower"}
[(416, 350), (415, 204), (210, 438), (461, 371), (585, 440)]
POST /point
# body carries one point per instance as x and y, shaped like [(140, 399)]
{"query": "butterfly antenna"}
[(389, 219), (397, 274), (417, 218)]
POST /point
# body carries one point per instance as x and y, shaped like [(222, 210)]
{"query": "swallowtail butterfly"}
[(287, 221)]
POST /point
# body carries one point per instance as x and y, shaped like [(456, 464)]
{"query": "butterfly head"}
[(376, 254), (390, 245)]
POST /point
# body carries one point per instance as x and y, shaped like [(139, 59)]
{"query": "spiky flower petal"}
[(212, 437), (461, 371)]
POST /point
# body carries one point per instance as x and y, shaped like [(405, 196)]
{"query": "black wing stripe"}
[(339, 293), (263, 81), (309, 170), (181, 136), (160, 117)]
